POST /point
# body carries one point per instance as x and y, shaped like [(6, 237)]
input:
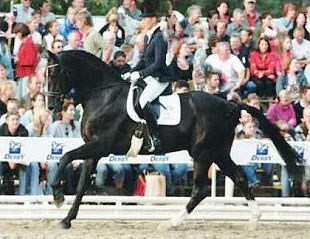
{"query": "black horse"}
[(206, 129)]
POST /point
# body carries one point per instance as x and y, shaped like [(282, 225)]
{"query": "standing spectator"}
[(67, 127), (302, 132), (39, 127), (285, 23), (69, 24), (302, 103), (46, 14), (26, 60), (13, 128), (231, 68), (52, 34), (282, 110), (33, 25), (74, 41), (119, 63), (23, 11), (292, 79), (262, 69), (223, 10), (252, 16), (7, 91), (300, 21), (92, 40), (114, 27), (236, 26)]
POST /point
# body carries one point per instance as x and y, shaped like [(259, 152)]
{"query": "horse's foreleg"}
[(199, 191), (236, 173), (85, 151), (84, 182)]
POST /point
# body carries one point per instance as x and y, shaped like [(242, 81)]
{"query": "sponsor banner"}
[(24, 150)]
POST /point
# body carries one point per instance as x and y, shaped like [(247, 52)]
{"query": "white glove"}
[(134, 77), (126, 76)]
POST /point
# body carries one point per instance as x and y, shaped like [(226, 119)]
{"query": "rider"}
[(153, 70)]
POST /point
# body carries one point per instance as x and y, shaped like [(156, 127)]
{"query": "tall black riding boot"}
[(150, 118)]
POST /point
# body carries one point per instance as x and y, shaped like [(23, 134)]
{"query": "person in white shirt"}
[(33, 25), (23, 10), (231, 68), (74, 41), (301, 50)]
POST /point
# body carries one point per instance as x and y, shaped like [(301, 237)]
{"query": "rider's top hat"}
[(148, 9)]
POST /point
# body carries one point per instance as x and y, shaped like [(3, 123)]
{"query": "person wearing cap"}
[(251, 16), (153, 70)]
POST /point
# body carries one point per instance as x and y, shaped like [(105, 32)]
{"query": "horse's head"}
[(59, 83)]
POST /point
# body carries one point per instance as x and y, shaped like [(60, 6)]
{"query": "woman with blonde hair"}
[(39, 127)]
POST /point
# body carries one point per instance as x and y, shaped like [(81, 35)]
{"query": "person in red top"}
[(262, 68), (26, 60)]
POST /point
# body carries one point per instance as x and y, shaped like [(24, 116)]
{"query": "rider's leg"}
[(153, 89)]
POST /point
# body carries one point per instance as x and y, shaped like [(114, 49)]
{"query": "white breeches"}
[(153, 89)]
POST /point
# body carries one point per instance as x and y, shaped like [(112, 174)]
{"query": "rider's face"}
[(148, 23)]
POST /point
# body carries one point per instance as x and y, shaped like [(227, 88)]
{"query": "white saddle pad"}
[(170, 114)]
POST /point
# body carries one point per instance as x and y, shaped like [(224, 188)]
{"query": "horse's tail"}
[(287, 153)]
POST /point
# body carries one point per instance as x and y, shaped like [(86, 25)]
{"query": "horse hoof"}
[(59, 197), (65, 224)]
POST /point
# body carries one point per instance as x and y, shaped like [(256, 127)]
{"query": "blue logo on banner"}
[(262, 149), (15, 147), (300, 151), (57, 148)]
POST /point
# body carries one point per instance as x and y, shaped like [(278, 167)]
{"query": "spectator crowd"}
[(237, 54)]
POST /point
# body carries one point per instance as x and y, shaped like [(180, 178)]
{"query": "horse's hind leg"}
[(84, 182), (236, 173), (199, 191), (86, 151)]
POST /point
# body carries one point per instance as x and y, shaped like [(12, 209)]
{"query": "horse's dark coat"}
[(206, 129)]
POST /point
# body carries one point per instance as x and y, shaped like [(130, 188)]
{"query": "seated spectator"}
[(292, 79), (57, 46), (67, 127), (52, 34), (13, 105), (262, 69), (128, 49), (286, 181), (300, 21), (37, 102), (249, 131), (23, 10), (13, 128), (41, 28), (212, 84), (78, 5), (231, 68), (285, 23), (39, 127), (46, 14), (109, 50), (129, 16), (282, 110), (286, 52), (266, 28), (247, 41), (236, 26), (33, 87), (7, 91), (302, 103), (181, 86), (221, 28), (92, 40), (302, 133), (113, 26), (74, 41), (223, 10), (213, 18), (193, 17), (212, 45), (6, 65), (69, 24), (301, 50), (119, 63)]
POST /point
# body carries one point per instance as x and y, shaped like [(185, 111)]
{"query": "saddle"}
[(166, 107)]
